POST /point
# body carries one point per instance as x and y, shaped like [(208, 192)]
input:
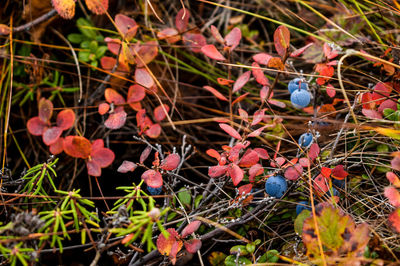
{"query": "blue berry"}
[(335, 192), (300, 98), (338, 183), (154, 191), (297, 84), (276, 186), (305, 139), (300, 207)]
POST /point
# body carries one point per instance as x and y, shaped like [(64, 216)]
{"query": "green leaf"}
[(270, 256), (84, 56), (382, 148), (197, 200), (232, 261), (299, 221), (184, 196), (93, 46), (85, 44), (82, 25), (216, 258), (76, 38), (388, 113), (250, 247), (101, 51), (239, 249)]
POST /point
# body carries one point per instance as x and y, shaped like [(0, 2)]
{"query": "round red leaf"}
[(116, 120), (36, 126), (182, 19), (249, 159), (193, 245), (339, 173), (102, 156), (136, 93), (126, 25), (230, 130), (190, 228), (65, 119), (171, 162), (51, 135), (165, 245), (235, 173), (112, 96), (57, 147), (217, 170), (103, 108), (77, 147), (143, 77), (152, 178), (194, 41), (154, 131), (232, 39), (127, 166), (293, 172), (93, 168), (159, 113)]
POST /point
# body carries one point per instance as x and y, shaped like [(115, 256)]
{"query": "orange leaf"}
[(216, 93), (97, 6), (77, 147), (281, 40), (65, 8)]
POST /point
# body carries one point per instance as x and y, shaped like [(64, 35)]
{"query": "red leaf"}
[(393, 196), (262, 153), (65, 119), (259, 75), (194, 41), (240, 98), (301, 50), (159, 113), (330, 90), (329, 52), (326, 72), (314, 151), (234, 152), (93, 168), (51, 135), (126, 25), (304, 162), (224, 82), (235, 173), (293, 172), (136, 93), (212, 52), (381, 91), (394, 220), (143, 77), (213, 153), (366, 100), (393, 179), (45, 109), (103, 108), (103, 156), (339, 173), (152, 178), (372, 114), (262, 58), (277, 103), (215, 33), (217, 170), (193, 245), (36, 126), (230, 130), (146, 53), (243, 115), (127, 166), (190, 228), (280, 161), (281, 40), (113, 45), (264, 93), (112, 96), (154, 131), (145, 154), (232, 39), (57, 147), (395, 163), (182, 19), (97, 6), (387, 104), (320, 185), (241, 81), (171, 162), (326, 172), (254, 171), (77, 147), (258, 117), (249, 159), (216, 93), (165, 245), (245, 189), (65, 8), (171, 35), (116, 120)]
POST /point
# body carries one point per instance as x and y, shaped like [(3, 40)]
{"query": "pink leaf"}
[(145, 154), (213, 153), (320, 185), (314, 151), (103, 108), (262, 58), (127, 166), (51, 135), (277, 103), (254, 171), (113, 45), (65, 8), (103, 157), (171, 162), (278, 161), (217, 170), (217, 35), (395, 163), (152, 178), (93, 168), (304, 162), (241, 81), (192, 245), (258, 131), (212, 52), (45, 109), (293, 172), (282, 40), (235, 173), (372, 114), (136, 93), (36, 126), (258, 116), (190, 228), (171, 35), (393, 179), (301, 50), (154, 131), (116, 120), (393, 196), (262, 153), (381, 91), (259, 74), (126, 25), (97, 144), (230, 130), (264, 93), (330, 90), (146, 53), (65, 119), (98, 7), (143, 77), (232, 39), (57, 147), (112, 96), (159, 113), (182, 19), (329, 52), (339, 173), (194, 41), (249, 159), (243, 114), (216, 93), (389, 103)]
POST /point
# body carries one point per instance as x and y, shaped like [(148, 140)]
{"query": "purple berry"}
[(300, 98), (297, 84), (276, 186)]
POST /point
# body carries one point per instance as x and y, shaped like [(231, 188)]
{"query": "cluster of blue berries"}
[(300, 96), (154, 191)]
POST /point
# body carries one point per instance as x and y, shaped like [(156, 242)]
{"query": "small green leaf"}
[(93, 46), (85, 44), (239, 249), (388, 113), (76, 38), (250, 247), (197, 200), (299, 221), (270, 256), (382, 148), (101, 51), (232, 261), (184, 196), (84, 56), (83, 26)]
